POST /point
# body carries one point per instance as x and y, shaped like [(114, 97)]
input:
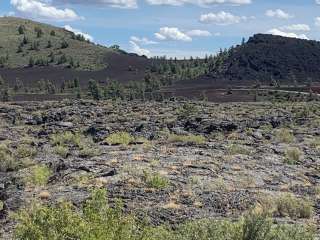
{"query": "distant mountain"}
[(267, 58)]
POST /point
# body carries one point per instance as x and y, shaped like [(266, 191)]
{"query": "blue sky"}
[(180, 28)]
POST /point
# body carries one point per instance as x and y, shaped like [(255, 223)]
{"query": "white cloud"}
[(172, 33), (138, 50), (222, 18), (317, 1), (233, 2), (79, 32), (167, 2), (44, 10), (197, 2), (317, 21), (278, 32), (111, 3), (278, 13), (175, 34), (297, 27), (198, 33), (143, 40)]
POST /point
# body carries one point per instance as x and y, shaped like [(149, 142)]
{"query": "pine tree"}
[(31, 62), (25, 40), (19, 49), (1, 81), (5, 96), (21, 29), (94, 89), (49, 45)]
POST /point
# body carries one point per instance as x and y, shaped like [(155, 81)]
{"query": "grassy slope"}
[(90, 56)]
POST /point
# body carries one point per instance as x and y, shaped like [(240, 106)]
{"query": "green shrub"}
[(187, 110), (88, 151), (290, 206), (155, 180), (191, 139), (119, 138), (285, 136), (235, 149), (97, 221), (66, 138), (24, 151), (7, 161), (315, 143), (39, 175), (61, 151), (88, 148), (293, 156)]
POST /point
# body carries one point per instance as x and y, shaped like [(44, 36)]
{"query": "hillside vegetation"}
[(27, 43)]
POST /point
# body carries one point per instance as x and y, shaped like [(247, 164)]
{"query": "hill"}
[(22, 40), (264, 60), (31, 52), (268, 58)]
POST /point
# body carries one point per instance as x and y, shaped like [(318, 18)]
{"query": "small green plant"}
[(62, 151), (1, 205), (315, 143), (187, 110), (66, 138), (7, 161), (88, 151), (235, 149), (290, 206), (292, 156), (155, 180), (39, 175), (119, 138), (189, 139), (285, 136), (25, 151)]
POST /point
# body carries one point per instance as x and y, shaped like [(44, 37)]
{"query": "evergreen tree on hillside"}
[(19, 50), (31, 61), (49, 45), (25, 40), (38, 31), (64, 44), (1, 81), (94, 89), (5, 96), (21, 29)]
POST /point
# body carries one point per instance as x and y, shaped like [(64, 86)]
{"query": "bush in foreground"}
[(97, 221)]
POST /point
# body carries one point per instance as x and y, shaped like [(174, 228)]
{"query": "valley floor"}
[(169, 161)]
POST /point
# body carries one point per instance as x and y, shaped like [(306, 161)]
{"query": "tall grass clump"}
[(285, 136), (189, 139), (66, 138), (119, 138), (97, 221), (7, 160)]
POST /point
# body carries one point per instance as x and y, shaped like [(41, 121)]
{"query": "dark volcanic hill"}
[(267, 59)]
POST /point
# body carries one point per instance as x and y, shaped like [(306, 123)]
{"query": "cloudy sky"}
[(179, 28)]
